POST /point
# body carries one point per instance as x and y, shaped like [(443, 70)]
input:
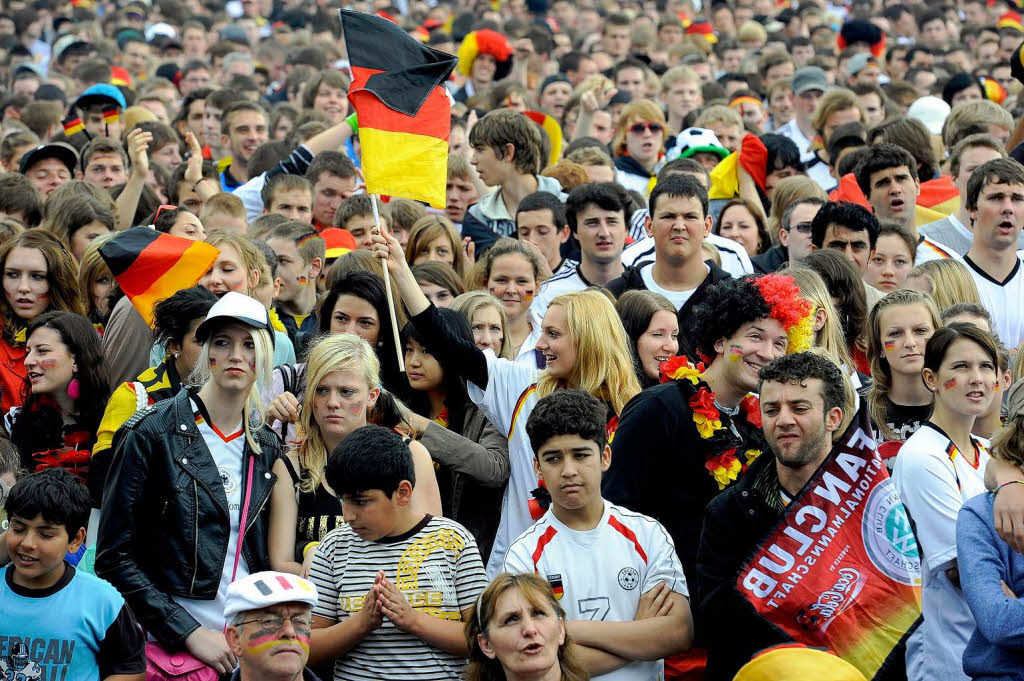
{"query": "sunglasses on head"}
[(161, 209), (639, 128)]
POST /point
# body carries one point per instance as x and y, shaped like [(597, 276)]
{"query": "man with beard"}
[(802, 404)]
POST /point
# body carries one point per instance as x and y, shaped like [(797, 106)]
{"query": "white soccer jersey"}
[(566, 280), (1004, 300), (735, 260), (601, 574), (507, 402), (934, 480)]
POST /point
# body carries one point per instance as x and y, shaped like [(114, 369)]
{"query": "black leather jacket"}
[(164, 524)]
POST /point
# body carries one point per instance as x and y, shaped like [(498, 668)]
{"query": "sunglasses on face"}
[(802, 227), (639, 128)]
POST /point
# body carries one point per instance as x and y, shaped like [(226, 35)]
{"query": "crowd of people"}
[(261, 424)]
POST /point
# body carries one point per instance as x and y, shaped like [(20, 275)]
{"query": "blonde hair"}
[(881, 373), (603, 367), (336, 352), (967, 115), (430, 227), (252, 258), (536, 591), (679, 74), (951, 282), (788, 191), (254, 413), (469, 303), (638, 110), (829, 338), (718, 113)]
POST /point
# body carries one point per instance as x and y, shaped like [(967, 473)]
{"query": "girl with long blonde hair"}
[(344, 393), (828, 330), (488, 320), (584, 346), (899, 327)]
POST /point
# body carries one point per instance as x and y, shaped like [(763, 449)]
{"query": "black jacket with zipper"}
[(164, 525), (632, 280)]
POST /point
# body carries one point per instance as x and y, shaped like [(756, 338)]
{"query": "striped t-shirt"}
[(436, 565)]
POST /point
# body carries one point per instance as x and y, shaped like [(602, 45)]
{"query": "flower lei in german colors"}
[(725, 466)]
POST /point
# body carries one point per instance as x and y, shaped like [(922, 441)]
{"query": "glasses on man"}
[(276, 622), (802, 227), (639, 128)]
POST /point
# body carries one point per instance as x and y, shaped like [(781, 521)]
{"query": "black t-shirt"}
[(904, 420)]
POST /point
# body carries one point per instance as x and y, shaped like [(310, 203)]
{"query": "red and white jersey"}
[(600, 574)]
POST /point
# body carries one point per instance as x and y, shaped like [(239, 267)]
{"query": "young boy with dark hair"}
[(603, 599), (505, 150), (355, 214), (395, 586), (300, 258), (60, 623)]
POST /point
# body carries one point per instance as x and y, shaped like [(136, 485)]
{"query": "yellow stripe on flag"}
[(181, 276), (405, 164)]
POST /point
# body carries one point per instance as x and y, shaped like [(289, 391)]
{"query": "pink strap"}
[(245, 515)]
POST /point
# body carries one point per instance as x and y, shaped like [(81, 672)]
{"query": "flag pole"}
[(387, 288)]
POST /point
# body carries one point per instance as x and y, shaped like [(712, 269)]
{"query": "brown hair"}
[(537, 592), (881, 373), (504, 126), (430, 227), (61, 275), (764, 240), (328, 77)]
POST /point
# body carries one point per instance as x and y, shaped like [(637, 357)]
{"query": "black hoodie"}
[(631, 280)]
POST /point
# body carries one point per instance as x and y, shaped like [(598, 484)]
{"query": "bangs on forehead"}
[(531, 593), (230, 325)]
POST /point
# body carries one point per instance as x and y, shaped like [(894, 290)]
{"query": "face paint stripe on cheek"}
[(48, 363), (949, 385), (735, 352), (889, 344)]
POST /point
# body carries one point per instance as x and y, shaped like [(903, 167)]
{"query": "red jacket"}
[(12, 375)]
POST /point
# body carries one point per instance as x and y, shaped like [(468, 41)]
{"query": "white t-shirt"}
[(793, 132), (602, 572), (934, 480), (228, 452), (1004, 300), (507, 403), (677, 298), (565, 281)]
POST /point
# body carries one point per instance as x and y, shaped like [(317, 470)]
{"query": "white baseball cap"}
[(235, 306), (263, 589)]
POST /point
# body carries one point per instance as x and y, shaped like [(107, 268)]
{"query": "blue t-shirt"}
[(80, 629)]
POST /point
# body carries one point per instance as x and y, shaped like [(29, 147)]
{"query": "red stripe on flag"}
[(432, 120), (628, 534), (544, 540), (283, 581), (166, 251)]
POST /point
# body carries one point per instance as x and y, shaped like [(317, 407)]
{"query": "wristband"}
[(353, 123), (307, 547), (1005, 484)]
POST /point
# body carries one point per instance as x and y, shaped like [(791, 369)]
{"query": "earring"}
[(74, 389)]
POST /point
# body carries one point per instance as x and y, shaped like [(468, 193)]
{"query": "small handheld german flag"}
[(111, 116), (150, 265), (73, 125), (403, 110)]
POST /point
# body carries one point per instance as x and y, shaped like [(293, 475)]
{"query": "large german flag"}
[(403, 111), (150, 266)]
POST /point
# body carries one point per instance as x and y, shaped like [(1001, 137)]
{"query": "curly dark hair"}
[(729, 304), (800, 366), (568, 412)]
